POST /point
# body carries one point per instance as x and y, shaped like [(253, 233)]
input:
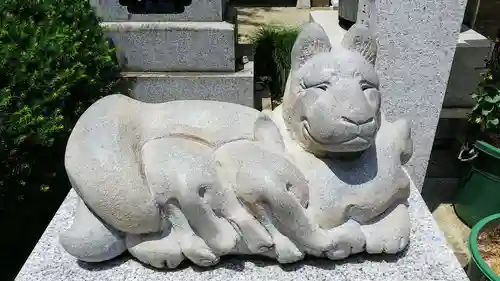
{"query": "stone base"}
[(173, 46), (426, 258), (157, 87), (197, 10)]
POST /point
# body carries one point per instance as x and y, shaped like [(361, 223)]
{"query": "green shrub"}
[(54, 62), (486, 112), (272, 47)]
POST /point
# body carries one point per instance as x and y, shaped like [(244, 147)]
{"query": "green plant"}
[(54, 62), (486, 112), (272, 47)]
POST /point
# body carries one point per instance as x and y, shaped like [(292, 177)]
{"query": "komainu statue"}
[(320, 175)]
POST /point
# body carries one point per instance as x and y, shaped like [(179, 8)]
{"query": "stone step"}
[(191, 10), (174, 46), (157, 87)]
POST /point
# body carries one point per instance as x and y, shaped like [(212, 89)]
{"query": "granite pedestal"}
[(156, 87), (426, 258), (174, 46)]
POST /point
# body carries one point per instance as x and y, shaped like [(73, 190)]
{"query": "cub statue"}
[(321, 175)]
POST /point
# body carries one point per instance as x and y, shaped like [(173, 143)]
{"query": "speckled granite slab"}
[(427, 258)]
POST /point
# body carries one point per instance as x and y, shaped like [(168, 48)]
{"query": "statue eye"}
[(322, 87), (365, 85)]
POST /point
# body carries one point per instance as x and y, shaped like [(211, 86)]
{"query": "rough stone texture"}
[(198, 10), (173, 46), (162, 87), (417, 44), (468, 63), (427, 258)]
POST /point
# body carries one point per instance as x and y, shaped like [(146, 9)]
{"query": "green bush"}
[(486, 112), (272, 47), (54, 62)]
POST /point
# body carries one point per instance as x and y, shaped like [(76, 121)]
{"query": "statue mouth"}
[(357, 140)]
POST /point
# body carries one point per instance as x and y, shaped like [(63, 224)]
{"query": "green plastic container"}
[(479, 193), (478, 270)]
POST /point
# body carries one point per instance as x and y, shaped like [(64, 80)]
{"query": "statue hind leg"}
[(91, 240)]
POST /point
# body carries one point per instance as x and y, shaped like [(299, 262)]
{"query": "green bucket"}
[(479, 191), (478, 270)]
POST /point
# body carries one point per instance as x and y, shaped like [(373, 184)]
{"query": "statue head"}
[(333, 101)]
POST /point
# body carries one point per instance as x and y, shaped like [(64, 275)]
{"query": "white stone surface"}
[(173, 46), (417, 44), (158, 87)]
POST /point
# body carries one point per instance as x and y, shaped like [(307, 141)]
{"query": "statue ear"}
[(361, 38), (266, 131), (312, 39)]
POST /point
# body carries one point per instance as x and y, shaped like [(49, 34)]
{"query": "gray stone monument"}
[(320, 175), (177, 49)]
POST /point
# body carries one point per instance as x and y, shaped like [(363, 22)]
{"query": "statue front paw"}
[(390, 233), (155, 249), (348, 239)]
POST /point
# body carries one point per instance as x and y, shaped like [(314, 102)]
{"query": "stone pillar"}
[(177, 49), (417, 45)]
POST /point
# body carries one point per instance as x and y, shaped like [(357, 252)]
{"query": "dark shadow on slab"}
[(155, 6), (237, 263), (264, 3), (444, 170), (105, 265)]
